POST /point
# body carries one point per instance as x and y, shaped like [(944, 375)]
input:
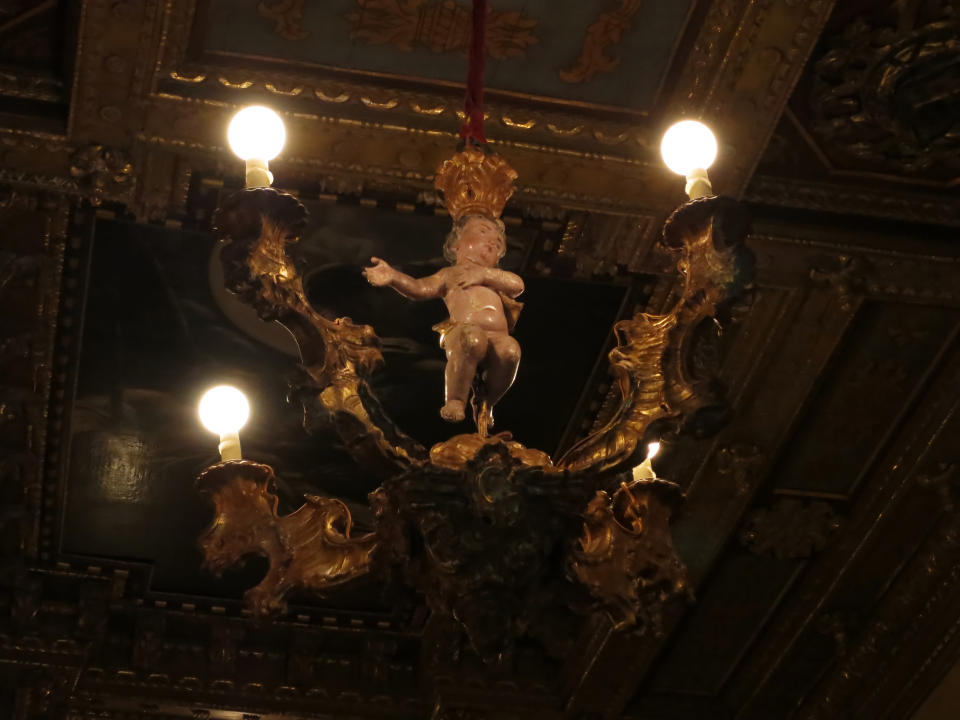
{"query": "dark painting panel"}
[(730, 613), (158, 331), (601, 53), (881, 363)]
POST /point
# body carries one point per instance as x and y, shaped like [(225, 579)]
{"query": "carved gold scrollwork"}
[(651, 360), (311, 548), (610, 559), (485, 528), (337, 355)]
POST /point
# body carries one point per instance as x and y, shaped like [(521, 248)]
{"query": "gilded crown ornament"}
[(475, 182)]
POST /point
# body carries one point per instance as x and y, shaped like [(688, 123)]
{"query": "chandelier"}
[(494, 535)]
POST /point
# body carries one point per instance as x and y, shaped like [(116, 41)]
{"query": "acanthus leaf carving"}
[(602, 34), (790, 528), (311, 548), (102, 171)]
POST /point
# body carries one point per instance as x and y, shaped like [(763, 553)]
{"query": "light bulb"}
[(256, 133), (652, 450), (687, 146), (224, 410)]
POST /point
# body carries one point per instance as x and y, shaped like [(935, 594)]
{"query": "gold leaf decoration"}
[(287, 17), (603, 33), (474, 181), (440, 26)]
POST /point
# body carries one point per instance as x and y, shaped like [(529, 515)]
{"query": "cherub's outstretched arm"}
[(382, 274)]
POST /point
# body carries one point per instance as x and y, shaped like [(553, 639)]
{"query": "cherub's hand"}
[(469, 276), (380, 273)]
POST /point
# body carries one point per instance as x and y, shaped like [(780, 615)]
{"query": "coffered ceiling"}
[(820, 526)]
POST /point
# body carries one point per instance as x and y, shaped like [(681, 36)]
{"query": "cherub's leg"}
[(503, 359), (465, 345)]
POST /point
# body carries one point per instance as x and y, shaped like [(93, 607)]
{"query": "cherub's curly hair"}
[(450, 244)]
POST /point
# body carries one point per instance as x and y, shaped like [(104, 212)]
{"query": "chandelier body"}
[(493, 534)]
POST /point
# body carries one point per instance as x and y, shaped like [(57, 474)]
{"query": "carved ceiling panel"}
[(873, 120), (577, 52)]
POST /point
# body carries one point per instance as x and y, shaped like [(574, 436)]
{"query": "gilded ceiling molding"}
[(108, 105), (31, 266), (758, 75), (705, 60), (844, 199), (417, 105), (377, 150), (32, 87)]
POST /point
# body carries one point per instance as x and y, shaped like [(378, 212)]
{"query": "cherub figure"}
[(481, 301)]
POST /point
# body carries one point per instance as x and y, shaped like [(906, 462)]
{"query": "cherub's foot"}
[(452, 411)]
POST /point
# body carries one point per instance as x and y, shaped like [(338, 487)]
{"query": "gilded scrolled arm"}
[(653, 358)]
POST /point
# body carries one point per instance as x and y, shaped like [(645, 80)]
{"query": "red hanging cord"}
[(472, 128)]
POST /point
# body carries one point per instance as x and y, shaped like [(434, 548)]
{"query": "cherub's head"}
[(476, 238)]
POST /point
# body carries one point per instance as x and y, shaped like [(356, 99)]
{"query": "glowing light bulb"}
[(224, 410), (256, 134), (687, 146), (644, 471)]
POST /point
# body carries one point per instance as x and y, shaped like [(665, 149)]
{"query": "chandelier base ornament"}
[(494, 535)]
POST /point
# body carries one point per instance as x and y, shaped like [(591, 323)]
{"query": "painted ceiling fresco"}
[(613, 53)]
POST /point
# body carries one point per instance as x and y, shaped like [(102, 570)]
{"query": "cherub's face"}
[(479, 242)]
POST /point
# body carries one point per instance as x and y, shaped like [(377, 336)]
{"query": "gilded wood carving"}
[(491, 532)]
